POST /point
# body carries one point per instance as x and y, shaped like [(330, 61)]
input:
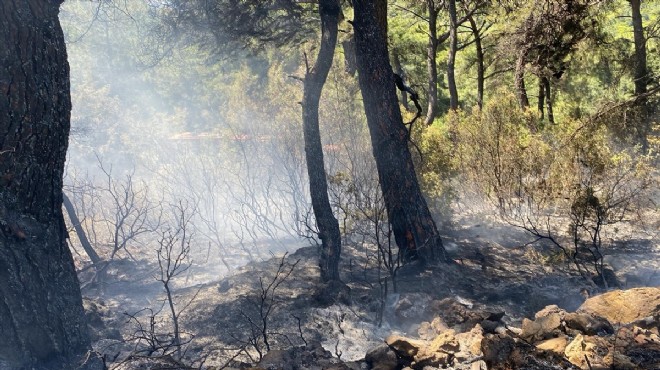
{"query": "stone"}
[(551, 309), (429, 330), (624, 306), (591, 348), (588, 324), (382, 358), (543, 327), (445, 342), (555, 345), (470, 344), (404, 347), (497, 349), (439, 352)]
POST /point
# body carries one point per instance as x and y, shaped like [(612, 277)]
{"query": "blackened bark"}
[(476, 33), (641, 73), (451, 59), (519, 81), (326, 222), (82, 236), (431, 66), (541, 102), (414, 229), (548, 98), (41, 314)]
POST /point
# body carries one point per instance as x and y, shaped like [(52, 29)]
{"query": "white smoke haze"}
[(182, 130)]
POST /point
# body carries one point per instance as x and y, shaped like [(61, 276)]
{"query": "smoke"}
[(183, 125)]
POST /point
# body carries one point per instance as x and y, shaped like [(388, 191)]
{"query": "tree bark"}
[(548, 98), (480, 61), (541, 102), (41, 315), (431, 66), (451, 59), (519, 81), (87, 246), (414, 230), (326, 222), (641, 73)]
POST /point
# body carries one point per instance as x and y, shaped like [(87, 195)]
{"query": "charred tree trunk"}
[(476, 32), (541, 103), (87, 246), (414, 230), (328, 226), (548, 99), (451, 59), (519, 82), (641, 73), (431, 66), (41, 314)]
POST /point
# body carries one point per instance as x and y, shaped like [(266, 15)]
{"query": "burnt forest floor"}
[(495, 269)]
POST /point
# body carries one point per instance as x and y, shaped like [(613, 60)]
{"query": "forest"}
[(329, 184)]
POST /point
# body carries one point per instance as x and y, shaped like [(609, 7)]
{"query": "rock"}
[(542, 328), (497, 349), (404, 347), (551, 309), (445, 342), (588, 324), (439, 352), (624, 306), (382, 358), (555, 345), (454, 313), (588, 352), (429, 330), (491, 326), (470, 344)]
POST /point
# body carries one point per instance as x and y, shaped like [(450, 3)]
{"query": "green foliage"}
[(438, 169)]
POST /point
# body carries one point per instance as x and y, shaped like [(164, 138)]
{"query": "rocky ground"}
[(501, 305)]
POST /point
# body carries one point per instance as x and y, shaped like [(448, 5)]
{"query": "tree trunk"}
[(541, 103), (548, 99), (451, 59), (87, 246), (519, 82), (414, 230), (641, 73), (41, 315), (431, 66), (480, 61), (328, 226)]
